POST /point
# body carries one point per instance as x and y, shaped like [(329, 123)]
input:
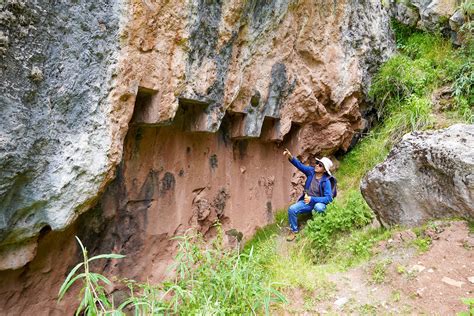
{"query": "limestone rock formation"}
[(427, 175), (76, 74)]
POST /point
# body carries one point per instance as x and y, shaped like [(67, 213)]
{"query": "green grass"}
[(209, 280), (220, 281), (269, 231)]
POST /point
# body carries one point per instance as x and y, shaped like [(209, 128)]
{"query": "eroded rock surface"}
[(427, 175), (56, 62), (75, 77)]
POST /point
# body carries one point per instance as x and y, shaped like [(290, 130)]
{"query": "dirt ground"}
[(401, 280)]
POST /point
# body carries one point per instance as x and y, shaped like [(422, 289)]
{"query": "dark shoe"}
[(291, 236)]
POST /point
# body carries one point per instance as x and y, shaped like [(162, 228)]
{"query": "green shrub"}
[(379, 271), (463, 86), (402, 32), (323, 230), (357, 246), (470, 307), (413, 114)]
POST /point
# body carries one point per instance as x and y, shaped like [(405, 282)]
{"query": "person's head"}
[(323, 165)]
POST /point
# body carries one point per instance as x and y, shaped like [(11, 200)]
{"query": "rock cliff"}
[(76, 78), (164, 115)]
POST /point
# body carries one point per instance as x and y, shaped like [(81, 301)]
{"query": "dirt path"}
[(400, 280)]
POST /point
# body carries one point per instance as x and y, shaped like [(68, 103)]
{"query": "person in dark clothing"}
[(317, 190)]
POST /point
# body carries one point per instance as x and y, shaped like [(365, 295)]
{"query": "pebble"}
[(452, 282), (341, 301), (471, 279), (417, 268), (419, 292)]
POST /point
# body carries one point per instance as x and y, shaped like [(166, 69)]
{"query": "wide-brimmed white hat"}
[(327, 163)]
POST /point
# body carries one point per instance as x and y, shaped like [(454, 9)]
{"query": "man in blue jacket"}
[(317, 190)]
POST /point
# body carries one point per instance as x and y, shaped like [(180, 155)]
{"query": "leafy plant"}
[(94, 299), (398, 79), (379, 271), (208, 280), (322, 230), (422, 243), (219, 280)]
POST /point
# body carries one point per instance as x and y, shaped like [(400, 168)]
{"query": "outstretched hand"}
[(287, 153)]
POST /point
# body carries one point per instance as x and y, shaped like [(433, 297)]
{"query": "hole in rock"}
[(270, 130), (145, 110)]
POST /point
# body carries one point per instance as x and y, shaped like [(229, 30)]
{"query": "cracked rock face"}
[(427, 175), (76, 74)]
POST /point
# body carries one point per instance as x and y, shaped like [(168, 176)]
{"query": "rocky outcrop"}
[(75, 77), (57, 59), (427, 175), (445, 16)]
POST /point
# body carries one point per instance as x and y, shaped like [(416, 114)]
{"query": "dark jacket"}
[(324, 183)]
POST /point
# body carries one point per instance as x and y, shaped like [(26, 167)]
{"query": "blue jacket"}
[(324, 183)]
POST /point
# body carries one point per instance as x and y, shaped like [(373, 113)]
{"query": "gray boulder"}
[(406, 13), (427, 175)]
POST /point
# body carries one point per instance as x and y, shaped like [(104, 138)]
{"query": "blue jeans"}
[(300, 208)]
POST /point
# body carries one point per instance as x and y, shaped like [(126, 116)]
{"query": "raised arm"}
[(303, 168)]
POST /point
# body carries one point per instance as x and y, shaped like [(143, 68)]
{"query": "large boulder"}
[(427, 175)]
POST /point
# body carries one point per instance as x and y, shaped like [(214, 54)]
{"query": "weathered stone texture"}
[(74, 78), (445, 16), (55, 67), (427, 175)]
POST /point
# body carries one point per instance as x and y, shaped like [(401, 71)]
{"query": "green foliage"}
[(209, 280), (413, 114), (463, 90), (94, 300), (398, 79), (402, 32), (470, 303), (422, 243), (425, 62), (471, 226), (357, 246), (369, 151), (379, 271), (467, 7), (340, 218), (219, 281), (269, 231)]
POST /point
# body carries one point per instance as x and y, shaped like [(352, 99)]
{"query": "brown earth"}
[(414, 283)]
